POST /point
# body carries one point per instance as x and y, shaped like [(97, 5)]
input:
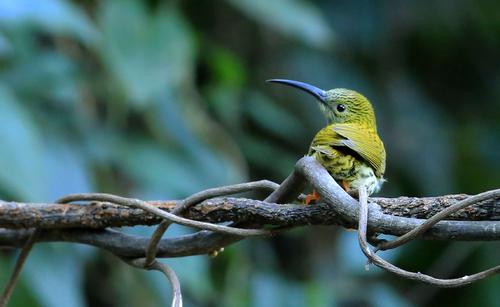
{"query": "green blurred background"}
[(160, 99)]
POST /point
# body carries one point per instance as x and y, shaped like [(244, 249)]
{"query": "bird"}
[(349, 147)]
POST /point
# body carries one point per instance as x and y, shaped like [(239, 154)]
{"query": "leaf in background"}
[(273, 290), (66, 170), (216, 163), (157, 173), (428, 147), (382, 295), (294, 18), (145, 53), (21, 169), (224, 96), (226, 67), (54, 16), (46, 76), (54, 274), (162, 173), (226, 104), (215, 167), (170, 121), (358, 23), (273, 118), (319, 293), (265, 155), (351, 259), (5, 45)]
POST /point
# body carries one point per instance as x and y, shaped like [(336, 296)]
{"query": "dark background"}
[(160, 99)]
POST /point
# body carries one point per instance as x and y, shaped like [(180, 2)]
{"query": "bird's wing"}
[(365, 142)]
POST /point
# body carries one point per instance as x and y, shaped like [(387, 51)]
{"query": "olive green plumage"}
[(349, 146)]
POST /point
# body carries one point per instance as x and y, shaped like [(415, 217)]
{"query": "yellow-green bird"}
[(349, 147)]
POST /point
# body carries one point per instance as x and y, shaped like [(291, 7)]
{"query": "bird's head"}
[(339, 105)]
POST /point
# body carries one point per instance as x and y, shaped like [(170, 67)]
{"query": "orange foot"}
[(345, 185), (311, 197)]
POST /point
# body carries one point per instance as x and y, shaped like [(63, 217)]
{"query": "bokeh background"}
[(160, 99)]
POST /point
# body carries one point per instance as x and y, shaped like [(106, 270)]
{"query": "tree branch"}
[(469, 218), (394, 216), (98, 215), (378, 261)]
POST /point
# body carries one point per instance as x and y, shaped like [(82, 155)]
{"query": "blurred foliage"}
[(160, 99)]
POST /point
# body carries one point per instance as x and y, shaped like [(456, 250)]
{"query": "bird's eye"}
[(341, 107)]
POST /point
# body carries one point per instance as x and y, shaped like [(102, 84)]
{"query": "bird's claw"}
[(314, 196)]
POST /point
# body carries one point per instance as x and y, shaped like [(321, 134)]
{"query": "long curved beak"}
[(316, 92)]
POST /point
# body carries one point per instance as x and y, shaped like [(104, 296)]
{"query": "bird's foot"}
[(345, 185), (314, 196)]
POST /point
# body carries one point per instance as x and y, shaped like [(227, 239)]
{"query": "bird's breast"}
[(343, 166), (339, 164), (366, 176)]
